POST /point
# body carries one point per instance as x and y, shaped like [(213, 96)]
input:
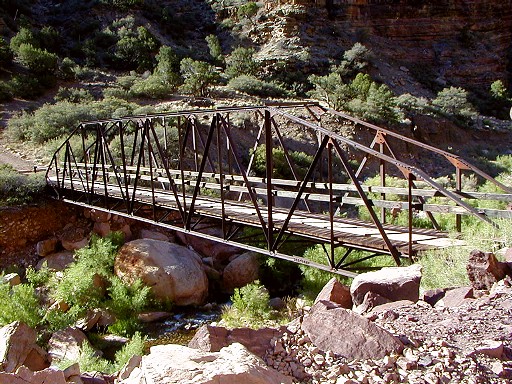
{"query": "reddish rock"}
[(396, 283), (99, 216), (484, 270), (37, 359), (336, 329), (173, 272), (16, 343), (57, 261), (148, 234), (212, 339), (149, 317), (370, 301), (12, 279), (336, 292), (101, 228), (491, 348), (241, 271), (25, 376), (65, 344), (220, 252), (432, 296), (455, 297), (45, 247)]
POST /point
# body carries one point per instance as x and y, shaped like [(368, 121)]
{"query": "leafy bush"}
[(26, 86), (253, 86), (124, 302), (281, 168), (54, 120), (19, 303), (354, 60), (16, 188), (73, 95), (247, 10), (362, 97), (67, 69), (154, 87), (24, 36), (454, 102), (241, 62), (249, 308), (214, 48), (498, 90), (199, 77), (168, 66), (36, 59)]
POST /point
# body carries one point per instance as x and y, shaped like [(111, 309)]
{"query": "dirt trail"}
[(20, 164)]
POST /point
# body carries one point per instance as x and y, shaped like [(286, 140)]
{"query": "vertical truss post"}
[(392, 249), (194, 144), (123, 160), (458, 188), (270, 167), (331, 204), (382, 169), (221, 176), (410, 178), (182, 138)]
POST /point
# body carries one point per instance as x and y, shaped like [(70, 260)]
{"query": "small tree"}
[(36, 59), (498, 90), (247, 11), (198, 76), (241, 62), (215, 49), (24, 36), (454, 102)]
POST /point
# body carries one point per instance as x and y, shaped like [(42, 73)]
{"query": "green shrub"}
[(241, 62), (19, 303), (168, 66), (214, 48), (26, 86), (249, 308), (454, 102), (24, 36), (498, 90), (281, 168), (36, 59), (67, 69), (247, 10), (154, 87), (16, 188), (73, 95), (199, 77), (135, 347), (125, 301), (253, 86), (354, 60)]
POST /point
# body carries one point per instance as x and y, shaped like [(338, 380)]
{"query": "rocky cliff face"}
[(465, 42)]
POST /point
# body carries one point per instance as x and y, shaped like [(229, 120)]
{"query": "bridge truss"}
[(244, 170)]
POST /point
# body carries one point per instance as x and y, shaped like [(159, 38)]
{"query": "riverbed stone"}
[(336, 292), (484, 270), (56, 261), (179, 364), (173, 272), (394, 283), (333, 328), (241, 271), (66, 343), (16, 342)]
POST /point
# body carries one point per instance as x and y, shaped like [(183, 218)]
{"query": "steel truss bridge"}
[(247, 171)]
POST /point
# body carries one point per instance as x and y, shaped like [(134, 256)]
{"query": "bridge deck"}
[(346, 232)]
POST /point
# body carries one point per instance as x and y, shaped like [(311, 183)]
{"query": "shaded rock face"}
[(336, 292), (173, 272), (348, 334), (484, 270), (463, 41), (241, 271), (178, 364)]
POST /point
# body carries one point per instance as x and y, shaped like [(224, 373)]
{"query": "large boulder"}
[(484, 270), (395, 283), (66, 344), (339, 330), (241, 271), (220, 252), (57, 261), (25, 376), (209, 338), (16, 342), (178, 364), (336, 292), (173, 272)]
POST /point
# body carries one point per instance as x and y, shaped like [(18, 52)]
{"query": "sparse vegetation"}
[(16, 188)]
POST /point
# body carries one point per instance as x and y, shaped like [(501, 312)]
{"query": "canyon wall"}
[(462, 42)]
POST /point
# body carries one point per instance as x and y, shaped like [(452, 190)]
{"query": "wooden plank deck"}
[(347, 232)]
